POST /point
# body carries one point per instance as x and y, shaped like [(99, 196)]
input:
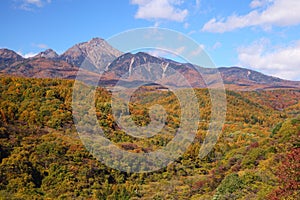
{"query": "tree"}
[(289, 177)]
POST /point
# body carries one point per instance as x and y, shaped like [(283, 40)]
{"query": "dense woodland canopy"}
[(42, 157)]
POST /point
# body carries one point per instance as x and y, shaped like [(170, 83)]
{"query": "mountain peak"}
[(96, 40), (7, 53), (49, 54), (97, 54), (8, 57)]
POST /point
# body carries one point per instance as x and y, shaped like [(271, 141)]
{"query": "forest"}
[(257, 155)]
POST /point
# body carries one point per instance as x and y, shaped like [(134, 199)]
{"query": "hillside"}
[(42, 157)]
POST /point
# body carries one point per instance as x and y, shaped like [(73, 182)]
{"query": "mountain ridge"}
[(96, 56)]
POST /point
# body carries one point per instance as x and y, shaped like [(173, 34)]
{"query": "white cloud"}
[(31, 4), (276, 13), (41, 46), (27, 55), (192, 32), (166, 52), (259, 3), (37, 3), (217, 45), (198, 51), (156, 24), (160, 53), (180, 50), (282, 62), (186, 25), (198, 3), (160, 9)]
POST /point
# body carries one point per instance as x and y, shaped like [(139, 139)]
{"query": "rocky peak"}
[(49, 54), (8, 57), (94, 55), (96, 40), (9, 54)]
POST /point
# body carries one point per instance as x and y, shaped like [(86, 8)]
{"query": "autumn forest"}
[(257, 156)]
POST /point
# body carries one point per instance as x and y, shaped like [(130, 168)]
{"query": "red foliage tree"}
[(289, 177)]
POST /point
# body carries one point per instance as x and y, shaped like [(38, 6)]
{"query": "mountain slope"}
[(246, 79), (142, 67), (45, 68)]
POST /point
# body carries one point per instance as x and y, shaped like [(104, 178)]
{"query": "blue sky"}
[(263, 35)]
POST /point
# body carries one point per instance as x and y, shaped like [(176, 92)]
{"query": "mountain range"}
[(98, 57)]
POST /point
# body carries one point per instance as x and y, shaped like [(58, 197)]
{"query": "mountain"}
[(97, 56), (246, 79), (142, 67), (44, 65), (49, 54), (94, 55), (8, 57), (46, 68)]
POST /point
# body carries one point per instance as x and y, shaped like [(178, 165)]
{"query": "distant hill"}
[(246, 79), (97, 56)]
